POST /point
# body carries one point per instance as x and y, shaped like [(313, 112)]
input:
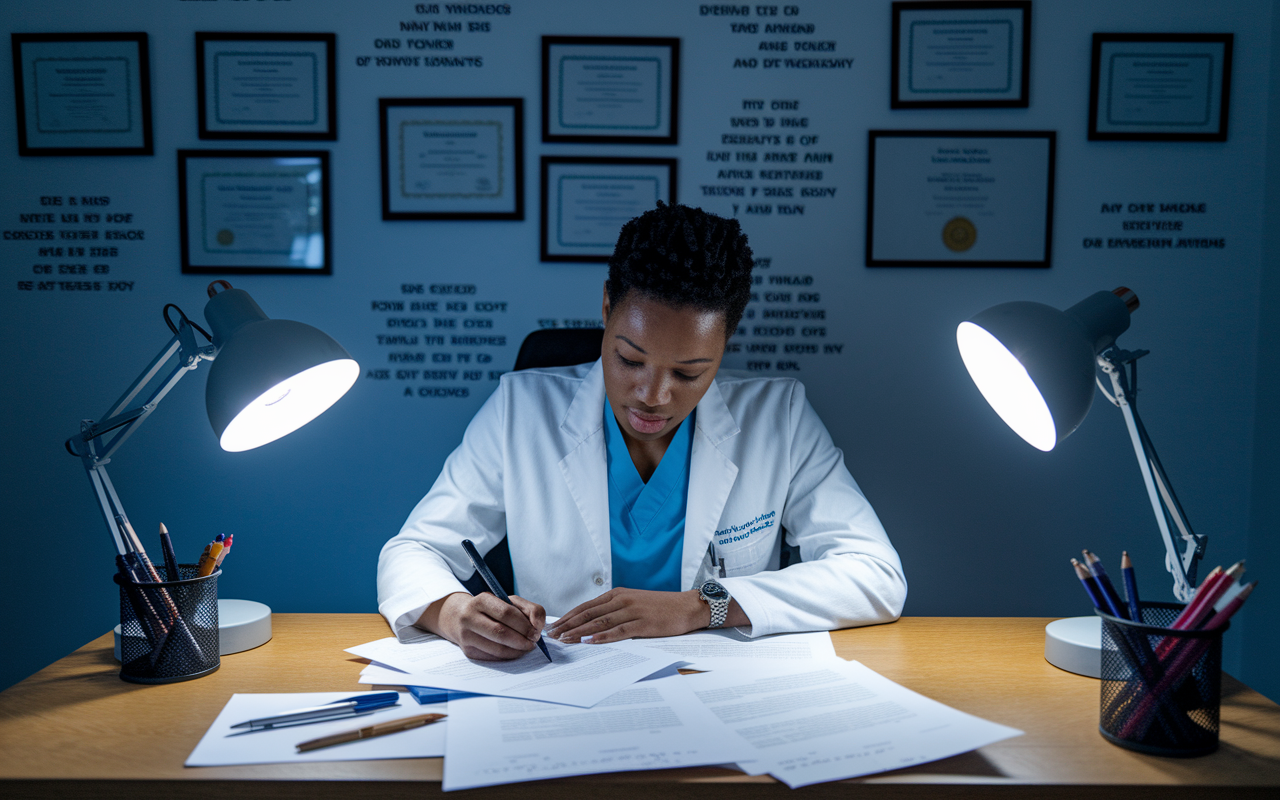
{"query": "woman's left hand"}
[(633, 614)]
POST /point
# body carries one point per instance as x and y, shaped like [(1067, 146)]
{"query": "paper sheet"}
[(655, 724), (579, 674), (836, 720), (217, 748), (727, 648)]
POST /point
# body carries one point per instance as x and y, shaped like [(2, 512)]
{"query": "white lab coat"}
[(531, 467)]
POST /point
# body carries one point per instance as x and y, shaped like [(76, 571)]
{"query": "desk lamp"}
[(270, 377), (1037, 367)]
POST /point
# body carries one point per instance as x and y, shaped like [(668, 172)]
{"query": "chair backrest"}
[(559, 347)]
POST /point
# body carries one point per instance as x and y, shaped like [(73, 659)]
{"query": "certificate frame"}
[(560, 123), (555, 169), (1037, 208), (1207, 122), (194, 217), (496, 196), (125, 129), (1009, 34), (317, 70)]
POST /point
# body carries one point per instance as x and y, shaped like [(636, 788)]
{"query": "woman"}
[(647, 494)]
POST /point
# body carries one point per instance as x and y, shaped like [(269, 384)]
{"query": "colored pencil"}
[(1130, 587)]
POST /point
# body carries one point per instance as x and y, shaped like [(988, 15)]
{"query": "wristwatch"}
[(716, 596)]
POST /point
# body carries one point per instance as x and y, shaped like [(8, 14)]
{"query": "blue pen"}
[(338, 709)]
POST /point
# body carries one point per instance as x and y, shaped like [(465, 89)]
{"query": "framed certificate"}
[(586, 200), (82, 94), (266, 85), (1160, 86), (452, 158), (961, 54), (960, 198), (254, 211), (624, 90)]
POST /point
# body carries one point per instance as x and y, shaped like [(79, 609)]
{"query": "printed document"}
[(836, 720), (727, 649), (222, 745), (655, 724), (578, 675)]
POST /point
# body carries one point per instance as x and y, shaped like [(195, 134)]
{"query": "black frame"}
[(1226, 39), (625, 41), (331, 80), (1022, 101), (872, 135), (517, 105), (325, 214), (547, 161), (144, 82)]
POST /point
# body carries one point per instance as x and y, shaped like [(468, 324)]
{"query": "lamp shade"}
[(271, 376), (1035, 364)]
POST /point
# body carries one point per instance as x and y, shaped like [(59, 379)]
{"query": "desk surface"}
[(75, 729)]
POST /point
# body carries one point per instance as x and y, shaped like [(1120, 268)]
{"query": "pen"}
[(170, 559), (338, 709), (494, 586), (382, 729), (1131, 587)]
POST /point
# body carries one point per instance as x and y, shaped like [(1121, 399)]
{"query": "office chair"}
[(549, 347)]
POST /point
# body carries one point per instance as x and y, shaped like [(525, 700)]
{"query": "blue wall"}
[(958, 492)]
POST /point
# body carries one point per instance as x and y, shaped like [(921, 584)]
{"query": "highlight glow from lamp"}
[(289, 405), (1005, 384)]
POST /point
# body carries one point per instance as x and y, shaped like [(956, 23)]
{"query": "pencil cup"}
[(1160, 688), (169, 630)]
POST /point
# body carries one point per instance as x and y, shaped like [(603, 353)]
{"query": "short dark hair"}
[(684, 257)]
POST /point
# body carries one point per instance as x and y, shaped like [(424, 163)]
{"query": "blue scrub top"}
[(646, 520)]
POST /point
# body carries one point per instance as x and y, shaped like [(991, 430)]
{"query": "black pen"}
[(170, 560), (494, 586)]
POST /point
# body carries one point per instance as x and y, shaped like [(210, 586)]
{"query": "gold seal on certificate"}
[(226, 238), (959, 234)]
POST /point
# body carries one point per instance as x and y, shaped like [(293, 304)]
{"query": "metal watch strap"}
[(719, 607)]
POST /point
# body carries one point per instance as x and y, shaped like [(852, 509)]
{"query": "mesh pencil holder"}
[(169, 630), (1161, 688)]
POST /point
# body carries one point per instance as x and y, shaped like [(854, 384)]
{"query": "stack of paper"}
[(784, 705)]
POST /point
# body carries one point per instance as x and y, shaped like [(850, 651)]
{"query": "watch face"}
[(714, 591)]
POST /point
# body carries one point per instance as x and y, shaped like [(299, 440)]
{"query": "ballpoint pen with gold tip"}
[(381, 729)]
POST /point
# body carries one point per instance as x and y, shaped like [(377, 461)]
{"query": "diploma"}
[(82, 95), (593, 209), (266, 88), (941, 200), (1151, 89), (264, 213), (610, 92), (961, 56), (620, 89), (451, 159)]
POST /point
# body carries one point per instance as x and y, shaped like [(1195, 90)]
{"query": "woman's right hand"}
[(486, 628)]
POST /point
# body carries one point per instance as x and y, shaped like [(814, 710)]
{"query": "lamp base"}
[(1075, 645), (242, 625)]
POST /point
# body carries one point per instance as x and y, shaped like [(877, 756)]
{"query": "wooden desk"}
[(76, 730)]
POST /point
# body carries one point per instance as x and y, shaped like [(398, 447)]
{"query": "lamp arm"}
[(1159, 492), (95, 454)]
